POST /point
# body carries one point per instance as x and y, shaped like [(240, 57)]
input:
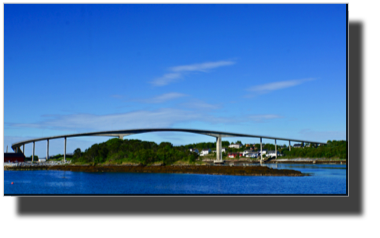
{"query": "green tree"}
[(77, 153)]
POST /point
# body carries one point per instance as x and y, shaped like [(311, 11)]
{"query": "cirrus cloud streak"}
[(178, 72), (269, 87)]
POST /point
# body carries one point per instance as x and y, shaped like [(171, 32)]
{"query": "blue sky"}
[(276, 70)]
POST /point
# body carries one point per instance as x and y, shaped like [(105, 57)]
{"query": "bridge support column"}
[(121, 137), (275, 147), (219, 155), (23, 149), (261, 148), (34, 146), (290, 148), (64, 152), (47, 149)]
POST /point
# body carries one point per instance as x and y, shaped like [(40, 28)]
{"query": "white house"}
[(272, 153), (252, 155), (264, 152), (246, 152), (237, 146), (205, 152)]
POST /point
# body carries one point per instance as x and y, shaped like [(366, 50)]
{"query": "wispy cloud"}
[(203, 67), (164, 97), (166, 79), (200, 105), (266, 88), (178, 72), (166, 117), (137, 119)]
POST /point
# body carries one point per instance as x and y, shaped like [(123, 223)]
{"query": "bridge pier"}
[(121, 137), (261, 148), (34, 145), (219, 155), (23, 149), (47, 149), (290, 148), (64, 152), (275, 147)]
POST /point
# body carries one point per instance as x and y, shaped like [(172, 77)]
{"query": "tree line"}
[(135, 151), (145, 153), (333, 149)]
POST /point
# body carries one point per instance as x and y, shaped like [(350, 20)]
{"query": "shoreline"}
[(180, 169), (286, 161)]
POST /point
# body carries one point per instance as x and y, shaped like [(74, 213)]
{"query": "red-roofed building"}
[(14, 157), (234, 155)]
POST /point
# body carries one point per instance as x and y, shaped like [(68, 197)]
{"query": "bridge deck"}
[(118, 133)]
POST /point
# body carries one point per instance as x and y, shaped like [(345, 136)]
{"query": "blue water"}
[(324, 179)]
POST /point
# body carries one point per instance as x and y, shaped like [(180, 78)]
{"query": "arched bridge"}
[(121, 133)]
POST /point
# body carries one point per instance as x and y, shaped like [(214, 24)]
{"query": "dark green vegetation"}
[(118, 151), (205, 145), (333, 149), (59, 157), (30, 158)]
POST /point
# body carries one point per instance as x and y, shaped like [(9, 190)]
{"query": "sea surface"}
[(323, 179)]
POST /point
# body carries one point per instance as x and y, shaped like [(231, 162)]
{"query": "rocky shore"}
[(183, 169)]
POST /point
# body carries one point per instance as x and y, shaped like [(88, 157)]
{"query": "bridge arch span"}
[(121, 133)]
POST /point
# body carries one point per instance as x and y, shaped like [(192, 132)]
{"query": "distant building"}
[(297, 146), (252, 155), (246, 152), (234, 155), (237, 146), (205, 152), (272, 153), (14, 157), (264, 152)]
